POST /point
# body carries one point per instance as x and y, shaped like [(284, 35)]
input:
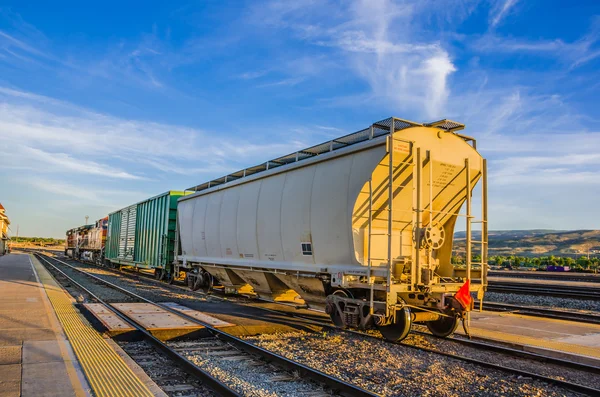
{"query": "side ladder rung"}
[(386, 259)]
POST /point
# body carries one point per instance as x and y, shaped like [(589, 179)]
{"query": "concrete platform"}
[(48, 349), (35, 357), (572, 340)]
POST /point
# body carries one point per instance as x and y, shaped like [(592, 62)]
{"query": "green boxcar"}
[(143, 234)]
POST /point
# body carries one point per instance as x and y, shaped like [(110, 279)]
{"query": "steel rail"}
[(335, 384), (554, 276), (480, 343), (187, 365), (559, 291)]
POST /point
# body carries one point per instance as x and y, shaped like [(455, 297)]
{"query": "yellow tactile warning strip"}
[(106, 372)]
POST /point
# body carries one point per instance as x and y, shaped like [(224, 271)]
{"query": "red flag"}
[(463, 295)]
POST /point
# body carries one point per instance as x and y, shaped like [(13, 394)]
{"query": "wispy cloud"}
[(378, 44), (64, 162), (41, 128), (574, 53), (72, 198), (288, 82), (329, 128), (554, 170), (500, 11), (530, 139), (132, 62), (22, 45), (7, 41), (253, 75)]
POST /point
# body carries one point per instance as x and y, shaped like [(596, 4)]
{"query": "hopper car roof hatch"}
[(380, 128)]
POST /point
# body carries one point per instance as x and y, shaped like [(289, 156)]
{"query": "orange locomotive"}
[(87, 242)]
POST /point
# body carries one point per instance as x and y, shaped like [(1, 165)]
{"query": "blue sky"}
[(102, 106)]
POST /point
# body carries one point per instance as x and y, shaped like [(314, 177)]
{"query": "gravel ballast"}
[(247, 375), (395, 370), (169, 377), (543, 301), (550, 370)]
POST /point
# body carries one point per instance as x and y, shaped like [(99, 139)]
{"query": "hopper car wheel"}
[(336, 318), (208, 282), (158, 273), (195, 281), (443, 327), (400, 329)]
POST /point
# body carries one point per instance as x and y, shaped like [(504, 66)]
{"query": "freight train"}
[(360, 226), (87, 242)]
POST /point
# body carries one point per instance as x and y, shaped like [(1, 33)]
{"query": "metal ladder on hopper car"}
[(415, 161)]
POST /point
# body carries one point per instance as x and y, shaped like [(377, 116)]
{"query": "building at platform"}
[(4, 222)]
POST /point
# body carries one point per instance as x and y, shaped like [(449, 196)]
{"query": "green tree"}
[(584, 262)]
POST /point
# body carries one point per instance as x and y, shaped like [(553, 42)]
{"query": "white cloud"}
[(501, 10), (379, 42), (65, 162), (288, 82), (88, 194), (49, 135), (8, 43), (253, 75), (574, 53), (534, 143), (437, 69), (555, 169)]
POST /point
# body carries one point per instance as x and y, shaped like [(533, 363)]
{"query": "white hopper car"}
[(361, 226)]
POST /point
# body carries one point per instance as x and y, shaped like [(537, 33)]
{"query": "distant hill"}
[(537, 242)]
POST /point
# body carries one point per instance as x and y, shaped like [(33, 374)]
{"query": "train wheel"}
[(443, 327), (198, 281), (158, 273), (400, 329), (208, 282), (335, 316)]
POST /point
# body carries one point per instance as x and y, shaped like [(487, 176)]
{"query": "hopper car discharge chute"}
[(361, 226)]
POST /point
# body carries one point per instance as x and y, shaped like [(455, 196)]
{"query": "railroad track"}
[(228, 346), (482, 344), (479, 344), (559, 291), (560, 276), (542, 312), (181, 361)]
